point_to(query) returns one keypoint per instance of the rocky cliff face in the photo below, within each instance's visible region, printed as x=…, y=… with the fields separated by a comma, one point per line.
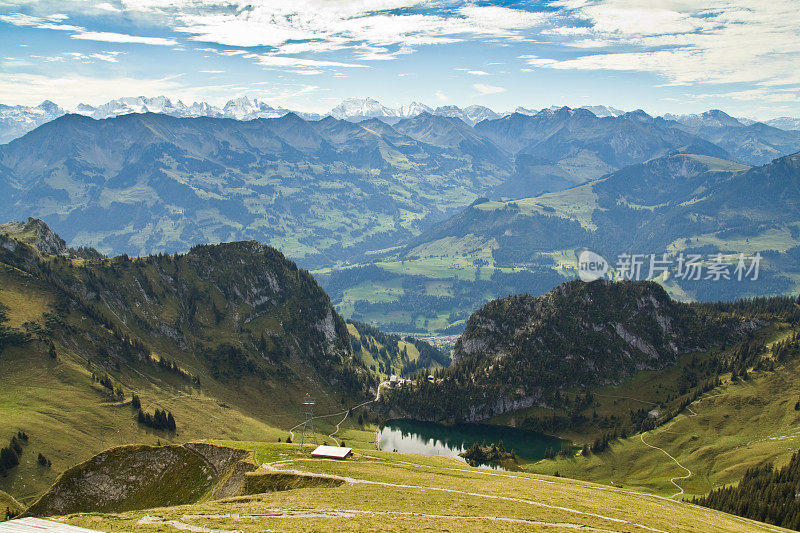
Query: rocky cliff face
x=523, y=351
x=587, y=334
x=37, y=234
x=239, y=310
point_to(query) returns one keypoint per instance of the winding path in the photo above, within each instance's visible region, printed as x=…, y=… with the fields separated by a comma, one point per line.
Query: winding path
x=346, y=413
x=681, y=491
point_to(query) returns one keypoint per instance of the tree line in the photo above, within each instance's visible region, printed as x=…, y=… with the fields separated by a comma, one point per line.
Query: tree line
x=160, y=420
x=9, y=455
x=765, y=493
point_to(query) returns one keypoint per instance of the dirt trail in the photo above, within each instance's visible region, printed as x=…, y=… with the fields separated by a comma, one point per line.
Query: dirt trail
x=346, y=413
x=482, y=495
x=353, y=513
x=673, y=480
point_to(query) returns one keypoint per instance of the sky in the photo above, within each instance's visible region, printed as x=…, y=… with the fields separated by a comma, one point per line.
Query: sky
x=663, y=56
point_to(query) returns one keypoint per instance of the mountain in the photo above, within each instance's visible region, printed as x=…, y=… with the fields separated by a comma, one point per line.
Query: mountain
x=597, y=110
x=784, y=123
x=15, y=121
x=143, y=183
x=681, y=203
x=713, y=118
x=524, y=351
x=386, y=354
x=556, y=149
x=451, y=133
x=358, y=109
x=362, y=108
x=228, y=338
x=753, y=144
x=471, y=114
x=604, y=110
x=242, y=108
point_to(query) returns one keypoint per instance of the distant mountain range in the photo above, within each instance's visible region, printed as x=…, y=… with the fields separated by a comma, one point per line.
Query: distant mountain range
x=15, y=121
x=143, y=182
x=407, y=201
x=680, y=203
x=326, y=189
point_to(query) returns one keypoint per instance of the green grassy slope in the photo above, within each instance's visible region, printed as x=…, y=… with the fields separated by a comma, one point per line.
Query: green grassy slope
x=736, y=426
x=391, y=491
x=139, y=477
x=388, y=355
x=9, y=505
x=249, y=333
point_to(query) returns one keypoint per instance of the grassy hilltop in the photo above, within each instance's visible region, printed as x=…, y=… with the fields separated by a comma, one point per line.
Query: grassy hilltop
x=391, y=491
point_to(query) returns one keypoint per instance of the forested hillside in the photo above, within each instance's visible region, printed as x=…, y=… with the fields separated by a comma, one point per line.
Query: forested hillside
x=765, y=493
x=223, y=340
x=526, y=352
x=387, y=354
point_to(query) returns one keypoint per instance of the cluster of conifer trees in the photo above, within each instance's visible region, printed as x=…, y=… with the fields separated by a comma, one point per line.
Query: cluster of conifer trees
x=9, y=456
x=106, y=381
x=765, y=493
x=9, y=336
x=161, y=420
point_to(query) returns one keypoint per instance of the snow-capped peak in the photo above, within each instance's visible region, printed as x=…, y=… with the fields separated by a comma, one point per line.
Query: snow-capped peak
x=359, y=108
x=414, y=109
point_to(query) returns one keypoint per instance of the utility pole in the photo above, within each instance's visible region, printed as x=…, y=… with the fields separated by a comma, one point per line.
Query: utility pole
x=308, y=426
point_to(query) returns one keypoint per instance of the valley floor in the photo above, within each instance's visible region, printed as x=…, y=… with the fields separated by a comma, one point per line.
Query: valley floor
x=396, y=492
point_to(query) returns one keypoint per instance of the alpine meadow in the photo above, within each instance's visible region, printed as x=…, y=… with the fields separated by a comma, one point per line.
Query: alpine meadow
x=398, y=265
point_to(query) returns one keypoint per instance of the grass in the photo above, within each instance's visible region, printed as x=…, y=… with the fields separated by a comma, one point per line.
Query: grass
x=69, y=418
x=25, y=300
x=8, y=503
x=372, y=358
x=261, y=482
x=731, y=428
x=391, y=491
x=135, y=477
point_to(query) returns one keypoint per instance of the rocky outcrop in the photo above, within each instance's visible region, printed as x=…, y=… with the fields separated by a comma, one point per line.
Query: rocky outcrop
x=524, y=351
x=37, y=234
x=141, y=477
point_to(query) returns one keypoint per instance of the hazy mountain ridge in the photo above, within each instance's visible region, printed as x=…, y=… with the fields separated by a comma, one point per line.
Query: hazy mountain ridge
x=139, y=183
x=185, y=181
x=17, y=120
x=672, y=204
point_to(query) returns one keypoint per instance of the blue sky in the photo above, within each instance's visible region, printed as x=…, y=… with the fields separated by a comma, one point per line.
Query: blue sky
x=659, y=55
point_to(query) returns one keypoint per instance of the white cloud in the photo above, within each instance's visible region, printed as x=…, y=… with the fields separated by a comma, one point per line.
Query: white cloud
x=31, y=89
x=380, y=53
x=110, y=57
x=105, y=6
x=758, y=95
x=484, y=89
x=686, y=42
x=51, y=22
x=325, y=25
x=268, y=60
x=501, y=20
x=69, y=91
x=111, y=37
